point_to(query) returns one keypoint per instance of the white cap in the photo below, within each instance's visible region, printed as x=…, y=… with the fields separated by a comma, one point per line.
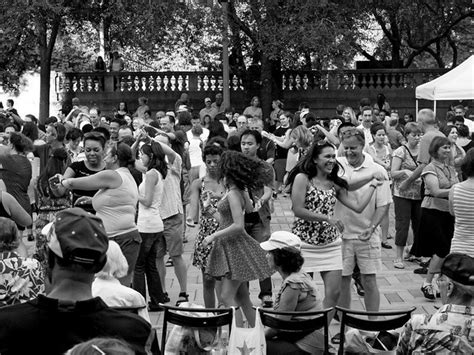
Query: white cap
x=280, y=240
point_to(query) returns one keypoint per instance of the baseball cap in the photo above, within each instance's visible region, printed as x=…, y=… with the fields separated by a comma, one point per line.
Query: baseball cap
x=170, y=113
x=207, y=99
x=78, y=237
x=459, y=267
x=182, y=108
x=280, y=240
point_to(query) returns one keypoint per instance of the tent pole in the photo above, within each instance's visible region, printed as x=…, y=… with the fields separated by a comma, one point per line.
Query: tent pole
x=434, y=108
x=416, y=111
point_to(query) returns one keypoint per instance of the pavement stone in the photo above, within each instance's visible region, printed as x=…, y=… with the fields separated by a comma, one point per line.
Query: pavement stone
x=399, y=288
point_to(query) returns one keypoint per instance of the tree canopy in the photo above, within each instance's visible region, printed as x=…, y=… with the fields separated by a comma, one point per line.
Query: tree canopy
x=68, y=35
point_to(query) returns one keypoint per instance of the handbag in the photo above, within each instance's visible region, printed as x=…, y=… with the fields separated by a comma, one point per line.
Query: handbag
x=247, y=340
x=364, y=342
x=194, y=341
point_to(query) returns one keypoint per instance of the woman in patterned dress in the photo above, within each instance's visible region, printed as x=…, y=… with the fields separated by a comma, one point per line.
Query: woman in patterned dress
x=315, y=188
x=49, y=200
x=209, y=184
x=236, y=257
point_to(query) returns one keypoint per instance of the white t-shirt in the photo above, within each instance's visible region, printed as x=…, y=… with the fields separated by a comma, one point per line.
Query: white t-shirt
x=203, y=136
x=195, y=151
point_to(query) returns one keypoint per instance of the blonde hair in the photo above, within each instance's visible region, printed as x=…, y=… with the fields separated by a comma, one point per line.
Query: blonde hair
x=116, y=265
x=302, y=136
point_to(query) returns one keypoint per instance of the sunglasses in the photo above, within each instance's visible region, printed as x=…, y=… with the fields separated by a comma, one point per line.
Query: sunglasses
x=353, y=132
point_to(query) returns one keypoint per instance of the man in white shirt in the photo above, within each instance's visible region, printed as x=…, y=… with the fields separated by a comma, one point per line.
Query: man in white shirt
x=367, y=120
x=208, y=110
x=361, y=238
x=195, y=121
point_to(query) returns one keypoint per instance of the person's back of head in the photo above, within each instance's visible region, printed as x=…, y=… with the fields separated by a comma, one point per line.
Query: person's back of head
x=30, y=130
x=463, y=131
x=116, y=265
x=426, y=117
x=459, y=269
x=365, y=101
x=97, y=346
x=77, y=245
x=340, y=109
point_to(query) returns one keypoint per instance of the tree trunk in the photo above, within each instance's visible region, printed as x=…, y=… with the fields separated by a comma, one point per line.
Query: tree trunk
x=46, y=51
x=266, y=89
x=45, y=83
x=271, y=83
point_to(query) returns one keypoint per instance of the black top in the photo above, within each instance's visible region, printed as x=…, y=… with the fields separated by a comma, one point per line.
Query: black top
x=80, y=170
x=280, y=152
x=47, y=326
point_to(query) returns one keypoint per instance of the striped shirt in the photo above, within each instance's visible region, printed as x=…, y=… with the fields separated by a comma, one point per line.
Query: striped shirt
x=463, y=206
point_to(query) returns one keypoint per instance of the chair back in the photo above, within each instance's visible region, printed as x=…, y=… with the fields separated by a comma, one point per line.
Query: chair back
x=351, y=318
x=221, y=317
x=133, y=310
x=318, y=320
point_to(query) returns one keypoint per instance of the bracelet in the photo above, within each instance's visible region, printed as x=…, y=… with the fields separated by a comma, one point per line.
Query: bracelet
x=374, y=186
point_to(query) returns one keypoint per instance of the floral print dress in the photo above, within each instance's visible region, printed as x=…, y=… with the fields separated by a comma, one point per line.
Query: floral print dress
x=207, y=226
x=21, y=279
x=319, y=201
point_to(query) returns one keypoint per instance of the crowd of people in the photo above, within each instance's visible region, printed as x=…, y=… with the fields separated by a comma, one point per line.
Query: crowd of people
x=106, y=198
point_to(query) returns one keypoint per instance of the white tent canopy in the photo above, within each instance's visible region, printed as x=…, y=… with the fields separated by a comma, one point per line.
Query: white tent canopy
x=457, y=84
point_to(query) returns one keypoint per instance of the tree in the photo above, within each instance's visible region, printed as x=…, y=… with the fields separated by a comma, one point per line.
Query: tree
x=412, y=29
x=31, y=27
x=285, y=32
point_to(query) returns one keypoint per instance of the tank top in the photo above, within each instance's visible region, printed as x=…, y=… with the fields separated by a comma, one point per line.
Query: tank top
x=117, y=207
x=149, y=220
x=463, y=205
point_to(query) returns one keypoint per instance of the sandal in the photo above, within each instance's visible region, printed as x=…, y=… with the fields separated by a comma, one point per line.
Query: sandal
x=385, y=245
x=183, y=297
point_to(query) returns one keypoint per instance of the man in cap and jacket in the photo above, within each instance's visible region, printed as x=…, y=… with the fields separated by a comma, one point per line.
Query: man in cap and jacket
x=69, y=314
x=448, y=330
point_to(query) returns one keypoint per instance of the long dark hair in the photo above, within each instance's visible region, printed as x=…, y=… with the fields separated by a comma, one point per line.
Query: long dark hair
x=56, y=164
x=308, y=166
x=157, y=157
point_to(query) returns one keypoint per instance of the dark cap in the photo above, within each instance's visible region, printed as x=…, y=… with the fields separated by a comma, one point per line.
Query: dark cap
x=78, y=237
x=459, y=267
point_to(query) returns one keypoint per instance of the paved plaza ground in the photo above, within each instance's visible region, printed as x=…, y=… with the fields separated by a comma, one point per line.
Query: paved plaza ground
x=399, y=289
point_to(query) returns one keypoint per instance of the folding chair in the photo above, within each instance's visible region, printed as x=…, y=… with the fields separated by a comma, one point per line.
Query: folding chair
x=319, y=321
x=397, y=320
x=154, y=346
x=222, y=317
x=133, y=310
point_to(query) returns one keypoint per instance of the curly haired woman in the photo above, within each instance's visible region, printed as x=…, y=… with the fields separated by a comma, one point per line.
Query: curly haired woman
x=236, y=257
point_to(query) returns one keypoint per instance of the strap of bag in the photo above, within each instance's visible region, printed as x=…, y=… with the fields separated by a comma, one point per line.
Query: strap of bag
x=210, y=347
x=411, y=155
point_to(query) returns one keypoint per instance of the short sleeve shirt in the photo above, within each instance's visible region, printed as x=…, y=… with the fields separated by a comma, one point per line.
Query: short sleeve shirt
x=448, y=331
x=413, y=192
x=425, y=141
x=447, y=177
x=21, y=279
x=355, y=223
